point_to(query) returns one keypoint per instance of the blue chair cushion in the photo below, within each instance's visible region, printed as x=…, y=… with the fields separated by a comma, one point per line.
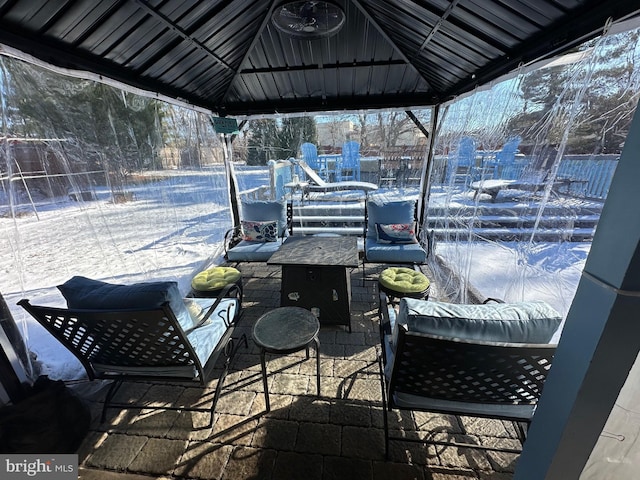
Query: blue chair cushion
x=205, y=339
x=253, y=251
x=402, y=211
x=85, y=293
x=261, y=211
x=521, y=322
x=394, y=252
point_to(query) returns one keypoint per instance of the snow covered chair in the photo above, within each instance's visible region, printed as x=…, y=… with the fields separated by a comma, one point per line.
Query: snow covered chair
x=487, y=361
x=349, y=164
x=501, y=166
x=507, y=155
x=144, y=332
x=310, y=155
x=461, y=161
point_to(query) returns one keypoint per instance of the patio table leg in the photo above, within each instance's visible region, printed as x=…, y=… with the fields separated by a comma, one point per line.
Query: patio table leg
x=317, y=363
x=264, y=379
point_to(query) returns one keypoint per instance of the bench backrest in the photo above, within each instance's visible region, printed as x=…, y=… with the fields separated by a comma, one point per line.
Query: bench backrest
x=142, y=340
x=469, y=371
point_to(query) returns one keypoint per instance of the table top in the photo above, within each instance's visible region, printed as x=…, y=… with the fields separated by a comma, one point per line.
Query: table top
x=317, y=251
x=286, y=329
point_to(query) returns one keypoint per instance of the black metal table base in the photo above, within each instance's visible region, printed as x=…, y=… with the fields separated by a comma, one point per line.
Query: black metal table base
x=264, y=351
x=286, y=330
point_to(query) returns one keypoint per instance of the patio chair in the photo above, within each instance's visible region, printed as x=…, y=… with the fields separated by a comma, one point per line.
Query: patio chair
x=462, y=161
x=349, y=165
x=310, y=155
x=263, y=228
x=508, y=153
x=487, y=361
x=505, y=158
x=144, y=332
x=391, y=234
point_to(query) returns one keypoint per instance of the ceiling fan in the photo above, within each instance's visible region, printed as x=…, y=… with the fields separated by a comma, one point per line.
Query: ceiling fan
x=308, y=20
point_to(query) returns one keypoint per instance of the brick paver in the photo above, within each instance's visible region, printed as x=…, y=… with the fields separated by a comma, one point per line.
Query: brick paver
x=338, y=435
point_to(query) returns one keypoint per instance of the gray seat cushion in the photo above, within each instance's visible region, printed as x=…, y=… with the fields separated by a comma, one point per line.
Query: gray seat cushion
x=395, y=252
x=520, y=322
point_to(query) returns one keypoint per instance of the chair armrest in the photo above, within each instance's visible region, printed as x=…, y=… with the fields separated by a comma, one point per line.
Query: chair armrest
x=231, y=238
x=385, y=321
x=229, y=291
x=491, y=299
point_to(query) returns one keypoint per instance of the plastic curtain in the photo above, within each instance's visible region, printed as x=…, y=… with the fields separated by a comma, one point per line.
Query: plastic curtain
x=101, y=183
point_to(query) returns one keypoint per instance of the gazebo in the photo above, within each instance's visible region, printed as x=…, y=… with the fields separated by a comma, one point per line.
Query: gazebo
x=242, y=59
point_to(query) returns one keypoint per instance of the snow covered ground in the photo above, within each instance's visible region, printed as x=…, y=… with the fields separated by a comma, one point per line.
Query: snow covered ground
x=172, y=229
x=175, y=227
x=498, y=270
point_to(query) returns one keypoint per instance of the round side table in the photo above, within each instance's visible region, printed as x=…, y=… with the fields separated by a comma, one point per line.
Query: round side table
x=286, y=330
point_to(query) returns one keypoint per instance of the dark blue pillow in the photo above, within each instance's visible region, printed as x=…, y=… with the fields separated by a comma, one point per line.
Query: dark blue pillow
x=86, y=293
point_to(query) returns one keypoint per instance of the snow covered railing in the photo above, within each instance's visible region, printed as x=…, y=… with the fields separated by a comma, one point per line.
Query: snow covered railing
x=262, y=192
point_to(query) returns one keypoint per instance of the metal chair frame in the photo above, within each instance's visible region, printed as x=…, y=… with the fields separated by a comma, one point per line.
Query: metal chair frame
x=461, y=377
x=145, y=339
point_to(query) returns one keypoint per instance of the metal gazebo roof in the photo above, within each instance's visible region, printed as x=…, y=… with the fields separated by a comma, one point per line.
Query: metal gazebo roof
x=228, y=57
